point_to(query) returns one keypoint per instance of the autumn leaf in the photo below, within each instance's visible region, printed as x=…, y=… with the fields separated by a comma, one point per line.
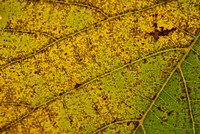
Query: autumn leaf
x=99, y=67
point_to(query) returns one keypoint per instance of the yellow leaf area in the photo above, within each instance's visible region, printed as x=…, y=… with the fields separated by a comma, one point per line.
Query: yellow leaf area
x=99, y=66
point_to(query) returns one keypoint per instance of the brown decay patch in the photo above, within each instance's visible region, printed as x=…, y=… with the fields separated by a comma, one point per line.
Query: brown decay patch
x=156, y=33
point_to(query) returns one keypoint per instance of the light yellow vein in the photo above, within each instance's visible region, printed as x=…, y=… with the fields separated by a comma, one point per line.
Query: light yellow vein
x=188, y=98
x=143, y=129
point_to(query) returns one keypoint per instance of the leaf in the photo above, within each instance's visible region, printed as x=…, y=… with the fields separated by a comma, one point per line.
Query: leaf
x=96, y=67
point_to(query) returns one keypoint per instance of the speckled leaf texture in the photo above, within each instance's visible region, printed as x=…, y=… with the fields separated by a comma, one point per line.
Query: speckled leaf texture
x=99, y=67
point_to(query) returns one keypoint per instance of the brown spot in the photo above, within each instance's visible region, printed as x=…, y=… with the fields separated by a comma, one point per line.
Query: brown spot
x=77, y=85
x=155, y=34
x=170, y=112
x=163, y=32
x=155, y=25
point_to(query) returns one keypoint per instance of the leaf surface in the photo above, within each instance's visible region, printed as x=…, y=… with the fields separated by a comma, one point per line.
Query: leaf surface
x=99, y=67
